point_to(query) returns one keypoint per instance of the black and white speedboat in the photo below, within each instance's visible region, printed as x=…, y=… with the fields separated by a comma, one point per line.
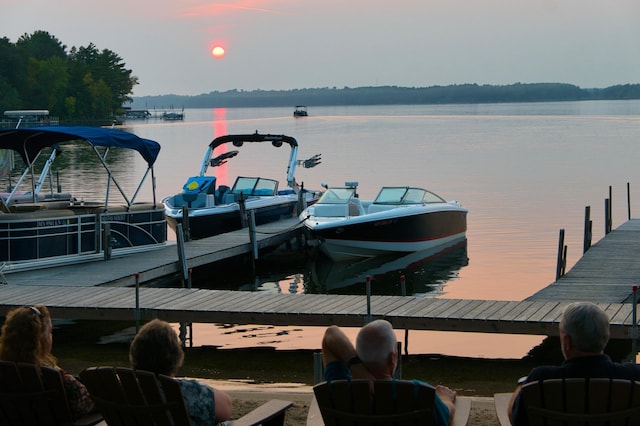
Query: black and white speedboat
x=216, y=209
x=400, y=219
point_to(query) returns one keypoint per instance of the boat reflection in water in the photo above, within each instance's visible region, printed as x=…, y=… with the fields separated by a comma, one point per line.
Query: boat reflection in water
x=425, y=272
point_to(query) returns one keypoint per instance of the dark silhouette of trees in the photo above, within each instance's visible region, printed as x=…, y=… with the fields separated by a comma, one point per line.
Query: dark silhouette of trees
x=86, y=83
x=392, y=95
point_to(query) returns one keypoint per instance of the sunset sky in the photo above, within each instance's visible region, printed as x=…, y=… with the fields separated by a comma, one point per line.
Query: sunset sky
x=290, y=44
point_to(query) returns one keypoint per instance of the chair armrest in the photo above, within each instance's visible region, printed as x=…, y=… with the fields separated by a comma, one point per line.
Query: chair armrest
x=461, y=414
x=314, y=416
x=501, y=401
x=90, y=420
x=271, y=412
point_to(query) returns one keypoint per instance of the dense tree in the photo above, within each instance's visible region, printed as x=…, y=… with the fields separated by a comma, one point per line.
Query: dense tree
x=37, y=73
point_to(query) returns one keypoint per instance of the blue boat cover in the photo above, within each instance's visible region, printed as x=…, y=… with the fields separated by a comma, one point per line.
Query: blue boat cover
x=29, y=141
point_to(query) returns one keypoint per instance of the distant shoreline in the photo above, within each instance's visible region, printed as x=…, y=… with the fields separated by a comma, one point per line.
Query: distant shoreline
x=390, y=95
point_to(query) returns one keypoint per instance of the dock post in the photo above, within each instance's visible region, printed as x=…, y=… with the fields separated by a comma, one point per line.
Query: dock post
x=403, y=288
x=610, y=208
x=137, y=302
x=243, y=211
x=607, y=216
x=182, y=257
x=562, y=256
x=628, y=201
x=588, y=225
x=368, y=284
x=302, y=201
x=106, y=241
x=318, y=369
x=634, y=328
x=252, y=233
x=186, y=227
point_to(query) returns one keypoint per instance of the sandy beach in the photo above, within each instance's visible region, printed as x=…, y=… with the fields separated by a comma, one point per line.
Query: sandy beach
x=247, y=396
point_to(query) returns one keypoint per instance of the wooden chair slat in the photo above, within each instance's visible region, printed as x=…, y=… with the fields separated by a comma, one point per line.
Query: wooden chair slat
x=173, y=392
x=378, y=402
x=156, y=400
x=52, y=380
x=582, y=402
x=31, y=395
x=106, y=387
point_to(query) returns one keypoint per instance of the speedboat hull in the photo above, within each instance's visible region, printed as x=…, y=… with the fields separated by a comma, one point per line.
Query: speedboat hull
x=401, y=219
x=406, y=229
x=209, y=221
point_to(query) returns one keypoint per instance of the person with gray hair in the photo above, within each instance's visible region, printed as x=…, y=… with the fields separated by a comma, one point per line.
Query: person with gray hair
x=584, y=334
x=375, y=356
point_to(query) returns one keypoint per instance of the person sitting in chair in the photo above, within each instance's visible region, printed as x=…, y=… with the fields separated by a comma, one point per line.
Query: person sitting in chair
x=157, y=348
x=375, y=356
x=27, y=336
x=584, y=333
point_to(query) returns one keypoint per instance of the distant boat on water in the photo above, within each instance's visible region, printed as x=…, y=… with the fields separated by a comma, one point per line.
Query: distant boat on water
x=300, y=111
x=173, y=115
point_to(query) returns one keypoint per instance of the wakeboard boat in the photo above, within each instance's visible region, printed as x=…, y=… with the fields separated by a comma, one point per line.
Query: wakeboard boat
x=215, y=209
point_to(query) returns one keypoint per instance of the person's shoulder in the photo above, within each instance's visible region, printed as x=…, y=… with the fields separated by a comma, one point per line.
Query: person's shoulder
x=545, y=372
x=628, y=370
x=193, y=386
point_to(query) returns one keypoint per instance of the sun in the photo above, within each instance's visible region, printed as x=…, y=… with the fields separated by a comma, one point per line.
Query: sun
x=217, y=52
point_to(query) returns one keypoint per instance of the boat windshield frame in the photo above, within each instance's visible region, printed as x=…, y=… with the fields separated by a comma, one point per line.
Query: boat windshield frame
x=255, y=186
x=337, y=196
x=406, y=195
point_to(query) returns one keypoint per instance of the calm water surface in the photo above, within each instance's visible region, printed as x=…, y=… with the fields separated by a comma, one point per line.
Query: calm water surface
x=524, y=171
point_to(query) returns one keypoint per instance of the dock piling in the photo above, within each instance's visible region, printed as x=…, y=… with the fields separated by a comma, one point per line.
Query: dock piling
x=588, y=228
x=368, y=284
x=562, y=256
x=634, y=326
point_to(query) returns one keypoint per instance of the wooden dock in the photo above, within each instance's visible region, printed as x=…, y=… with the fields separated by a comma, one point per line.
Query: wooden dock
x=236, y=307
x=159, y=263
x=604, y=275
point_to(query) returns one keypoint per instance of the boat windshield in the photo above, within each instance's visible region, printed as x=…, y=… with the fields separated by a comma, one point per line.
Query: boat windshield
x=255, y=186
x=337, y=196
x=406, y=195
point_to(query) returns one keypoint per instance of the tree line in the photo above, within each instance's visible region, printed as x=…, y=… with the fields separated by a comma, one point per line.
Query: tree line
x=392, y=95
x=85, y=83
x=82, y=83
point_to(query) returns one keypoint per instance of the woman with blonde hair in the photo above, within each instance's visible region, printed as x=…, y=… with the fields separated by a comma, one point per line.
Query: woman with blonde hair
x=27, y=336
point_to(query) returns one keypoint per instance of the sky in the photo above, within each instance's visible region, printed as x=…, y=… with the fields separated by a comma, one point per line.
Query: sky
x=295, y=44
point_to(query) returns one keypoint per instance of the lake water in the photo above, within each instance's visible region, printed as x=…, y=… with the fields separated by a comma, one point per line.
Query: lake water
x=524, y=171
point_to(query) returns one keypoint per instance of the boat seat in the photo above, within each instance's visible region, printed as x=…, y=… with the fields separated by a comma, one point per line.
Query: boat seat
x=222, y=190
x=199, y=201
x=354, y=209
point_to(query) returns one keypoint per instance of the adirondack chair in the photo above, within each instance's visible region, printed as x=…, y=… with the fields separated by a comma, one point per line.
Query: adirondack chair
x=35, y=396
x=128, y=397
x=378, y=402
x=578, y=402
